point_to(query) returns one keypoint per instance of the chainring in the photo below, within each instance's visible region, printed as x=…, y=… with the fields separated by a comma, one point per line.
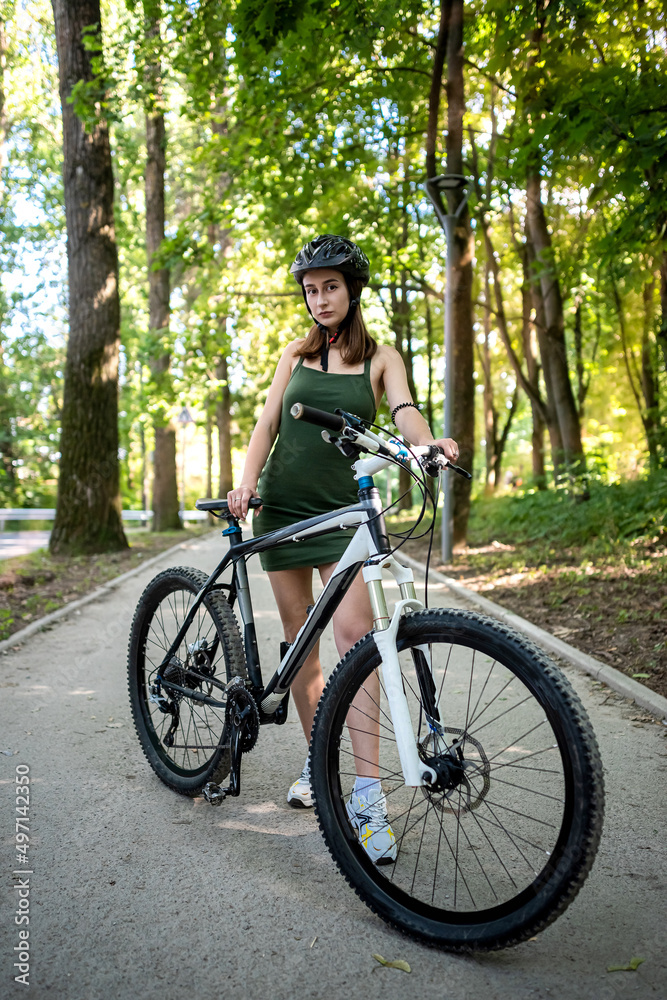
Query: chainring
x=242, y=706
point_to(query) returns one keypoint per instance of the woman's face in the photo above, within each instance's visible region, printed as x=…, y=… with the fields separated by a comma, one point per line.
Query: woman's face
x=327, y=296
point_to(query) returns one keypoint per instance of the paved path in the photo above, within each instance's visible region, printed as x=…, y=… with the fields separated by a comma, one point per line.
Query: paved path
x=139, y=893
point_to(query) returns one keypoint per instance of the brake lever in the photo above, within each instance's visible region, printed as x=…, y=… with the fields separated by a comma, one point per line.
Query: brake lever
x=344, y=444
x=434, y=469
x=459, y=470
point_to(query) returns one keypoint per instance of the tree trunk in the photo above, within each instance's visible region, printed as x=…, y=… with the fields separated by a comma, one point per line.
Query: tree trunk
x=649, y=383
x=555, y=358
x=550, y=414
x=463, y=416
x=562, y=417
x=224, y=429
x=449, y=43
x=88, y=514
x=165, y=489
x=582, y=383
x=209, y=450
x=490, y=415
x=142, y=447
x=495, y=443
x=429, y=363
x=532, y=365
x=400, y=322
x=662, y=332
x=6, y=433
x=529, y=382
x=640, y=377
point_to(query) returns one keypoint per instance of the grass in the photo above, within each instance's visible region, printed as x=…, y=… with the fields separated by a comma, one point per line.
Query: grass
x=592, y=571
x=33, y=585
x=610, y=515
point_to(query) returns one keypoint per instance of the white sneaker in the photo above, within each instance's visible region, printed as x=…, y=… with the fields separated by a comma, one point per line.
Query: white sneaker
x=300, y=795
x=368, y=813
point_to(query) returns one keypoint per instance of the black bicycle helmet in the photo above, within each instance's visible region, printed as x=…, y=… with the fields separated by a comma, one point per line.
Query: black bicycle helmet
x=332, y=251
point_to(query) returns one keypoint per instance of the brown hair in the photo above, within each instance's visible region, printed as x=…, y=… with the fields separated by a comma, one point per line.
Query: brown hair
x=356, y=343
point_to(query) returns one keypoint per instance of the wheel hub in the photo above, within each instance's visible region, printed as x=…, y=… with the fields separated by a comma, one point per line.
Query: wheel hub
x=463, y=765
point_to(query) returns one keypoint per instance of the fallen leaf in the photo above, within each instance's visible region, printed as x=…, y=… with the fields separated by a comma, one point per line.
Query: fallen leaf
x=397, y=964
x=632, y=966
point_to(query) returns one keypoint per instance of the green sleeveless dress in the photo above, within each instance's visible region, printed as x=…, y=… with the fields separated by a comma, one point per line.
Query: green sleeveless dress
x=304, y=475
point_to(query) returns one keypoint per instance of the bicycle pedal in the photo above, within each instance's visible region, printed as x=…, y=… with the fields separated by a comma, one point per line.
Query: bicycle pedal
x=214, y=794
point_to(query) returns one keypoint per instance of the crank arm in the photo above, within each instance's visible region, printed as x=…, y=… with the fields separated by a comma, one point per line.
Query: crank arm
x=214, y=794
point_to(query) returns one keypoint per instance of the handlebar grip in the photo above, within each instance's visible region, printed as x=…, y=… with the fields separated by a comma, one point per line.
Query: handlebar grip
x=321, y=418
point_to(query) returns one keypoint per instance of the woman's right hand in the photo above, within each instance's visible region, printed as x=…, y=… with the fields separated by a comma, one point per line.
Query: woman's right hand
x=238, y=500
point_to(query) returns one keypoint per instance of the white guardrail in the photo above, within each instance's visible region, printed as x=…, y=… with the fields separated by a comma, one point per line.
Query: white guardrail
x=48, y=514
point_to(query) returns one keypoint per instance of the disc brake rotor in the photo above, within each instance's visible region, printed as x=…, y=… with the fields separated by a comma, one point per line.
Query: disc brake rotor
x=475, y=782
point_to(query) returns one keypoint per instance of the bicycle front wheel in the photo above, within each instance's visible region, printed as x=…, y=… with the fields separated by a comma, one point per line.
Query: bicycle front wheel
x=503, y=842
x=183, y=739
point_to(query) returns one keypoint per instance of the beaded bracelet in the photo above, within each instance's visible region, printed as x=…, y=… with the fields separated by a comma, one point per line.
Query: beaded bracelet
x=401, y=406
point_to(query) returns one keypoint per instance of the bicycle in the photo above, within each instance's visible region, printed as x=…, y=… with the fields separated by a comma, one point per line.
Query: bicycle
x=489, y=765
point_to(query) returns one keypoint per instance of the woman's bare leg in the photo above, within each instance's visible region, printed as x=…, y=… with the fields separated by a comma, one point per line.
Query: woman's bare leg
x=293, y=591
x=352, y=620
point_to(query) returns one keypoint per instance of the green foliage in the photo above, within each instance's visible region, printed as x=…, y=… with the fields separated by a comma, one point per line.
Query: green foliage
x=6, y=622
x=613, y=513
x=30, y=399
x=299, y=116
x=89, y=97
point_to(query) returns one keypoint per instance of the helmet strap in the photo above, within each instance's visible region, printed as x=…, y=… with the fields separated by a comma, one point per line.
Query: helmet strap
x=331, y=339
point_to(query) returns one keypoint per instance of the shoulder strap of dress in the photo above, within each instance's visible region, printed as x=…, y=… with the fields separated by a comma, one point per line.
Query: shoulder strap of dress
x=367, y=368
x=296, y=368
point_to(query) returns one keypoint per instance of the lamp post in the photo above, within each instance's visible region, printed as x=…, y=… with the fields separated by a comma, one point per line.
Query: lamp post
x=184, y=419
x=457, y=184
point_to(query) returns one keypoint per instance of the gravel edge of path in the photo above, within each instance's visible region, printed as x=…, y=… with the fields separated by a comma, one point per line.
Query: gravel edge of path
x=619, y=682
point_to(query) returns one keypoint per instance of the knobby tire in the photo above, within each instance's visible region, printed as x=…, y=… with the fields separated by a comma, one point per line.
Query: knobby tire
x=212, y=647
x=495, y=859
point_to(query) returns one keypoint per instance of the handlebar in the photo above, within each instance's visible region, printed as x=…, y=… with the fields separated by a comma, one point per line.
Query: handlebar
x=431, y=457
x=321, y=418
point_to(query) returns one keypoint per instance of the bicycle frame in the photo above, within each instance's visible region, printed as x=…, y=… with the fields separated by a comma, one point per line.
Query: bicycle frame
x=368, y=548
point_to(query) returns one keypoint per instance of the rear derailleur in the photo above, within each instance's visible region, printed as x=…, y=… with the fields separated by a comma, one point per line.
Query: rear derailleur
x=242, y=728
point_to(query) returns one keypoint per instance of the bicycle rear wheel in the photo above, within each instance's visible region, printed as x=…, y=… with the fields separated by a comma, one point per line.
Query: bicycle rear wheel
x=502, y=846
x=183, y=739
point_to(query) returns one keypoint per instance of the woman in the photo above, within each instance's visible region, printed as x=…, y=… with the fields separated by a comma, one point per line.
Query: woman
x=337, y=365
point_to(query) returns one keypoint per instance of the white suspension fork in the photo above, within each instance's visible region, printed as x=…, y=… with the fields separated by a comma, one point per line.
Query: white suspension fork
x=415, y=772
